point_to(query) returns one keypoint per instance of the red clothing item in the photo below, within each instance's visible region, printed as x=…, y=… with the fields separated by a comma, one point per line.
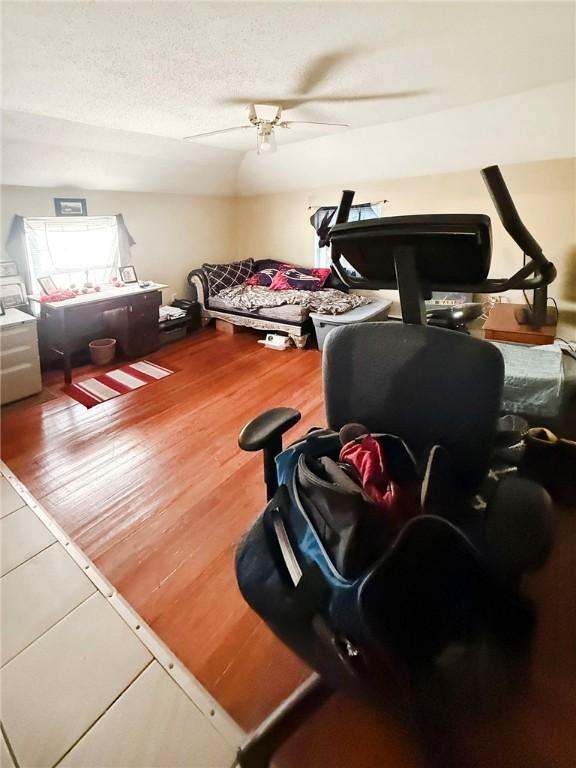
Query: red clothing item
x=366, y=455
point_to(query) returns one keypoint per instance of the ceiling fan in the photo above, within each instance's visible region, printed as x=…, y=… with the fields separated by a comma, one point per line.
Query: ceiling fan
x=265, y=128
x=320, y=69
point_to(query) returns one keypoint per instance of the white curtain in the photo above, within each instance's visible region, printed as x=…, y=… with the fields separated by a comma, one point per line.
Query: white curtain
x=72, y=251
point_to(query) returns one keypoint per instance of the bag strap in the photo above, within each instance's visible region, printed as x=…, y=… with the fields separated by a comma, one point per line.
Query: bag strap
x=311, y=588
x=288, y=554
x=311, y=591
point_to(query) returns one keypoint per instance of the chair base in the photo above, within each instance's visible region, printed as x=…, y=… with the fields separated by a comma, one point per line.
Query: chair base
x=261, y=745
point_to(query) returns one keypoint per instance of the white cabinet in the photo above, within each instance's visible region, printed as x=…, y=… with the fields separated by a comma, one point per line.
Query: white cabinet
x=19, y=358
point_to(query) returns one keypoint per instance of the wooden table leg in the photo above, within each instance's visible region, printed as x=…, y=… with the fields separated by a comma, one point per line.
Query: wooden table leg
x=66, y=356
x=67, y=368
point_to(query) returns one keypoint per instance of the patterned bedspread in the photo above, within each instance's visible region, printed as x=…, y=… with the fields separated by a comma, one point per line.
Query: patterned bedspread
x=328, y=301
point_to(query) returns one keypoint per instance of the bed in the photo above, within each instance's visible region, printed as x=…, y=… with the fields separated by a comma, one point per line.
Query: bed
x=258, y=307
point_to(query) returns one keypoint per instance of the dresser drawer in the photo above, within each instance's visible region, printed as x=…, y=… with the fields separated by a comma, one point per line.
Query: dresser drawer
x=152, y=299
x=21, y=355
x=19, y=362
x=19, y=381
x=20, y=336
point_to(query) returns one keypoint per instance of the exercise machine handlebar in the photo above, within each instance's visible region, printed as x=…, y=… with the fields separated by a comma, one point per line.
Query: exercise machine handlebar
x=511, y=220
x=343, y=212
x=543, y=270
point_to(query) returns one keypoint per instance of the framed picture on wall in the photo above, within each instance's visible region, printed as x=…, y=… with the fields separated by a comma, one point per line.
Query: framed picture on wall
x=48, y=285
x=8, y=269
x=70, y=206
x=128, y=275
x=12, y=295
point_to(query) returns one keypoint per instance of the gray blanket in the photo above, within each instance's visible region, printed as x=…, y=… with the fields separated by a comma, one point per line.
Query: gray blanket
x=328, y=301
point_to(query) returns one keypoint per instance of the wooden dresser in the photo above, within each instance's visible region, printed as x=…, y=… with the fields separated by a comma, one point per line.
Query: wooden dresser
x=19, y=358
x=128, y=314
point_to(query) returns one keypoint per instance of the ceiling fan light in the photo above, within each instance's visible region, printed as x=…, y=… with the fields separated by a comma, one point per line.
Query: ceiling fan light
x=266, y=142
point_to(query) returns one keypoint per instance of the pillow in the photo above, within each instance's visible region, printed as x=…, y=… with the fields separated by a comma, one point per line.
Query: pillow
x=265, y=277
x=222, y=276
x=322, y=274
x=297, y=278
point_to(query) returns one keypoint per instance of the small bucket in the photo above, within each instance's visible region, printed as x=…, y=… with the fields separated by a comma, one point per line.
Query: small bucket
x=102, y=351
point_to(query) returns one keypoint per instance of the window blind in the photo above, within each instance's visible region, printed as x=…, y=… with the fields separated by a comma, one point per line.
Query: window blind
x=72, y=251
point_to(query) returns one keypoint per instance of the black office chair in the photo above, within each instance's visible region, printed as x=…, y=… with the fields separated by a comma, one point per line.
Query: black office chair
x=446, y=578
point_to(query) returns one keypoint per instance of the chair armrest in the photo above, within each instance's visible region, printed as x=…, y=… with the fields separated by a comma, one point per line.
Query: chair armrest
x=267, y=428
x=264, y=433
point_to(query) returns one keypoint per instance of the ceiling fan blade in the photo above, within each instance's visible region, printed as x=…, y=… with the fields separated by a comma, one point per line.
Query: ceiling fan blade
x=287, y=123
x=283, y=103
x=215, y=133
x=298, y=101
x=367, y=97
x=321, y=68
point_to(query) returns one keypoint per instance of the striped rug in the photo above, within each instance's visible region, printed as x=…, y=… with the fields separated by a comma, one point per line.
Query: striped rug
x=90, y=392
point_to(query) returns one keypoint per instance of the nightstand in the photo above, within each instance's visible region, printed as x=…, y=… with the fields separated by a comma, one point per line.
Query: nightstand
x=502, y=325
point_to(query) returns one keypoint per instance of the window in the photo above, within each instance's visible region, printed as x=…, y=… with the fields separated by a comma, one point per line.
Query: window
x=72, y=252
x=357, y=213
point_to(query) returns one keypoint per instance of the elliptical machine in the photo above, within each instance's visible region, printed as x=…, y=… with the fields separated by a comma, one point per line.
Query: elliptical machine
x=417, y=255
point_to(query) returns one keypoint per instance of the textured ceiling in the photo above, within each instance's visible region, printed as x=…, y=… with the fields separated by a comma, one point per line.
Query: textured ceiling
x=167, y=69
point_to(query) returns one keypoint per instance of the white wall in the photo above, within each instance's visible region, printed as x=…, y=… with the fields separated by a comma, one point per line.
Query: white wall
x=277, y=225
x=173, y=233
x=176, y=233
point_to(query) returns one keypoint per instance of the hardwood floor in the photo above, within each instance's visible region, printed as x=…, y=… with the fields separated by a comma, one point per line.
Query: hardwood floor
x=154, y=489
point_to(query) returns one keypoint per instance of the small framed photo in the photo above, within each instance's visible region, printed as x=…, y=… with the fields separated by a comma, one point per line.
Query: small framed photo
x=12, y=295
x=8, y=269
x=70, y=206
x=128, y=275
x=2, y=310
x=48, y=285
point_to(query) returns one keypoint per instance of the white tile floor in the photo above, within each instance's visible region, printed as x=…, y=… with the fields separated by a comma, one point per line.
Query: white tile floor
x=23, y=536
x=9, y=499
x=5, y=756
x=123, y=737
x=37, y=595
x=84, y=682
